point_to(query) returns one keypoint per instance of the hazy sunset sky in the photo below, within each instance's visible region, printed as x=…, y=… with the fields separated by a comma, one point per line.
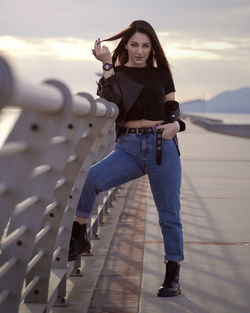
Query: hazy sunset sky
x=207, y=42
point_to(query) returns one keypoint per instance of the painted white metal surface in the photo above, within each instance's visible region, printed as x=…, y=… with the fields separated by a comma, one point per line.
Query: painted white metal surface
x=44, y=160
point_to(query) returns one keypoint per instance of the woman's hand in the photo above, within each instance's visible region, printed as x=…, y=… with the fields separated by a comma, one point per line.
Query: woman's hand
x=102, y=53
x=169, y=130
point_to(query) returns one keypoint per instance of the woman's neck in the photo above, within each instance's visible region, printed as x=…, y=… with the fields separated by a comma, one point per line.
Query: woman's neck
x=128, y=64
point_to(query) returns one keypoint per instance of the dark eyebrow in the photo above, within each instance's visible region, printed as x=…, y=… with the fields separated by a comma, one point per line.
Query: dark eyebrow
x=144, y=43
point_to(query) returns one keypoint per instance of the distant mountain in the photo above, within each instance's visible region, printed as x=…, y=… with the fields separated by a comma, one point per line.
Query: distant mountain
x=231, y=101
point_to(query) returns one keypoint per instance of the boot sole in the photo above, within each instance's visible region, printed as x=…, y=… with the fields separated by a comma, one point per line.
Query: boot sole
x=174, y=294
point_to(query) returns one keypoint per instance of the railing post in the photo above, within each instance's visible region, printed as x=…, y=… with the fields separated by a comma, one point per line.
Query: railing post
x=38, y=152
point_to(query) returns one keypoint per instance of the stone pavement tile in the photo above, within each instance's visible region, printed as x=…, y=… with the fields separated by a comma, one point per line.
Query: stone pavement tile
x=121, y=264
x=127, y=233
x=128, y=246
x=117, y=293
x=118, y=288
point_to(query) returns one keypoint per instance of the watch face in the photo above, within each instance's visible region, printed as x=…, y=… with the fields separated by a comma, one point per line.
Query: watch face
x=107, y=66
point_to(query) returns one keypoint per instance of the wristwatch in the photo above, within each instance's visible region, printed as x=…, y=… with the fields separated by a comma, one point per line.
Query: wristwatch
x=107, y=66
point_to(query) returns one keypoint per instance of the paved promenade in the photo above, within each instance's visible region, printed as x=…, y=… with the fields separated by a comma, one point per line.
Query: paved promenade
x=127, y=267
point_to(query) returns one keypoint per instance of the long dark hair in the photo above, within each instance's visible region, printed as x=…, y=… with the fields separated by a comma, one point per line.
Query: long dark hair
x=156, y=57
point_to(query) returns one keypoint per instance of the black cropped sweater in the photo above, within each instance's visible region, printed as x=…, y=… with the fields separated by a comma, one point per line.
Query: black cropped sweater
x=157, y=83
x=140, y=93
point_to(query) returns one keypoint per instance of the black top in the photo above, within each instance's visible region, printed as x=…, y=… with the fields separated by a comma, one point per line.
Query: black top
x=150, y=103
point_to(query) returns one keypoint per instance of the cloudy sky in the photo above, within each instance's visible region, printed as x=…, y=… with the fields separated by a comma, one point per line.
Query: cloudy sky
x=207, y=42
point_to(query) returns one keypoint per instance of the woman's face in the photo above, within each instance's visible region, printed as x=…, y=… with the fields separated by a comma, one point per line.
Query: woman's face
x=139, y=47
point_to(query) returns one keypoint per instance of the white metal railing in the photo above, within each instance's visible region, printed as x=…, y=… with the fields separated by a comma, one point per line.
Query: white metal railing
x=43, y=166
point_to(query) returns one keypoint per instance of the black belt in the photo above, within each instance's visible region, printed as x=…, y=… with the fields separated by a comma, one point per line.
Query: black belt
x=138, y=131
x=147, y=130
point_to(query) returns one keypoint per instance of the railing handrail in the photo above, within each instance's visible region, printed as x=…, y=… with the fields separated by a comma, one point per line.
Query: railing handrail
x=43, y=166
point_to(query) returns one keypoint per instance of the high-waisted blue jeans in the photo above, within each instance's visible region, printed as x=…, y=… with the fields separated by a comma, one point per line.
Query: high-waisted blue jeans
x=134, y=156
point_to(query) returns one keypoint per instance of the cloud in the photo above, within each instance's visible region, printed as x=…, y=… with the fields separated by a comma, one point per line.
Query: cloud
x=59, y=48
x=198, y=49
x=88, y=19
x=75, y=49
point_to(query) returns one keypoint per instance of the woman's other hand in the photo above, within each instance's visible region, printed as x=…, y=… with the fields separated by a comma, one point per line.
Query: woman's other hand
x=169, y=130
x=101, y=53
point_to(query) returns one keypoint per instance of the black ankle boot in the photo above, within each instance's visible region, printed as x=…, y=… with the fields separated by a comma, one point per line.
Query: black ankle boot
x=171, y=286
x=79, y=241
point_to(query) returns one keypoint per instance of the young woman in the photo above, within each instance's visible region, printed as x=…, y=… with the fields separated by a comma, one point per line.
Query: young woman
x=138, y=79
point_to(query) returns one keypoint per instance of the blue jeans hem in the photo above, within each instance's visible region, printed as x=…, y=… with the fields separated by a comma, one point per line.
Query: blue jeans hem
x=84, y=215
x=173, y=258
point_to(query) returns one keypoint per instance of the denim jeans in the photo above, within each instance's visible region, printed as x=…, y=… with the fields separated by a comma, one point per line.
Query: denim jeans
x=134, y=155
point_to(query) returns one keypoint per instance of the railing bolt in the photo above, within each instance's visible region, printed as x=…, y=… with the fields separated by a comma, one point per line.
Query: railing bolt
x=34, y=127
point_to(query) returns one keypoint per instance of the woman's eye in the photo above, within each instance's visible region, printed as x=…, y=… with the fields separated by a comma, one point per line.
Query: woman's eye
x=135, y=45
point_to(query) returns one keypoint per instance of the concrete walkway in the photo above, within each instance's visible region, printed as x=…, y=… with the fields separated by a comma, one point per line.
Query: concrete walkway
x=215, y=276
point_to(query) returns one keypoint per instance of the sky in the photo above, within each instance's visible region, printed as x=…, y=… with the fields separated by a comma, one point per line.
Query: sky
x=207, y=42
